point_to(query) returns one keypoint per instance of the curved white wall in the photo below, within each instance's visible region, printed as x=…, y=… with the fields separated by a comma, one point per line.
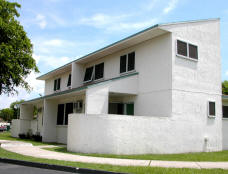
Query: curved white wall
x=120, y=134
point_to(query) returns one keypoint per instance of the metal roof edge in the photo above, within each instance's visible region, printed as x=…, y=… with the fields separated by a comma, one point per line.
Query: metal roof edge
x=80, y=88
x=94, y=52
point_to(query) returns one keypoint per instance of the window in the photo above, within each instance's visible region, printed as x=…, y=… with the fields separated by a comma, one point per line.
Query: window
x=123, y=63
x=225, y=111
x=187, y=50
x=131, y=61
x=211, y=109
x=69, y=80
x=193, y=52
x=62, y=114
x=182, y=48
x=68, y=110
x=88, y=74
x=121, y=108
x=57, y=84
x=127, y=62
x=99, y=71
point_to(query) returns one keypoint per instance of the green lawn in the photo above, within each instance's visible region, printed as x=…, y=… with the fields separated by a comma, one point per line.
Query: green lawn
x=7, y=136
x=124, y=169
x=202, y=156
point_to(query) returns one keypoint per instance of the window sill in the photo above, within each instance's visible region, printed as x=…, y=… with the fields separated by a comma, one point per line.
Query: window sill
x=212, y=117
x=128, y=72
x=187, y=58
x=62, y=126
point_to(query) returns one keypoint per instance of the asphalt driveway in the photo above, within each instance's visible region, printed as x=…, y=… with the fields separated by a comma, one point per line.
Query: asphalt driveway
x=6, y=168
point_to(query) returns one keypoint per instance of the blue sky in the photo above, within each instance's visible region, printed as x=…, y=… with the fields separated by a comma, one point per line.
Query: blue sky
x=63, y=30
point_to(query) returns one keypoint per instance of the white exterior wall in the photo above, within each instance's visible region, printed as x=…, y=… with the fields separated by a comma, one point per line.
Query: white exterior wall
x=61, y=134
x=194, y=83
x=154, y=79
x=15, y=127
x=49, y=84
x=121, y=134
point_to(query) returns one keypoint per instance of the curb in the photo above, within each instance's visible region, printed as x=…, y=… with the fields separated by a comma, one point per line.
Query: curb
x=55, y=167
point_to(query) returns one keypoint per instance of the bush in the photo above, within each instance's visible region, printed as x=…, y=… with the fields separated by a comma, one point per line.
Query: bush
x=22, y=136
x=37, y=138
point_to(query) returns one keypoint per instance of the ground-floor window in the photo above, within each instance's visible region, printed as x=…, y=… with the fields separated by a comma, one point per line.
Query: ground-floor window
x=225, y=111
x=62, y=113
x=121, y=108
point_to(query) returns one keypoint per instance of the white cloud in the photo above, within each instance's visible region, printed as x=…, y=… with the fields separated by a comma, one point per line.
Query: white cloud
x=37, y=88
x=116, y=23
x=36, y=57
x=55, y=62
x=101, y=20
x=150, y=5
x=41, y=21
x=53, y=42
x=171, y=5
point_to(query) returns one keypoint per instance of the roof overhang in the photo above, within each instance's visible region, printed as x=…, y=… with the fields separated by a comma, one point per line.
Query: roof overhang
x=127, y=42
x=123, y=44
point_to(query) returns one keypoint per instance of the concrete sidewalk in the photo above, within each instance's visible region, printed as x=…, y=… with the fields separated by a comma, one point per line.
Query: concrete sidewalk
x=37, y=151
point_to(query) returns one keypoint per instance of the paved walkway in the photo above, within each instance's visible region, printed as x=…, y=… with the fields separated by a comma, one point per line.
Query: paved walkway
x=37, y=151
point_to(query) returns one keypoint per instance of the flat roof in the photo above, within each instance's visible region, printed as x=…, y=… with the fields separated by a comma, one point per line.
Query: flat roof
x=124, y=43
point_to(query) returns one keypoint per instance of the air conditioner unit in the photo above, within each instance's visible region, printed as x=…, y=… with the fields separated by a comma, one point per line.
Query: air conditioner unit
x=78, y=105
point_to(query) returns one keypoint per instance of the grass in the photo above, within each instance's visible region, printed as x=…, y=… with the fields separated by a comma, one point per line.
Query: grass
x=202, y=156
x=124, y=169
x=7, y=136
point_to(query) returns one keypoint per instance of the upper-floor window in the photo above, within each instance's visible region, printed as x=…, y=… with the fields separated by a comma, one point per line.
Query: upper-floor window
x=94, y=72
x=211, y=109
x=57, y=84
x=187, y=50
x=69, y=80
x=225, y=111
x=127, y=62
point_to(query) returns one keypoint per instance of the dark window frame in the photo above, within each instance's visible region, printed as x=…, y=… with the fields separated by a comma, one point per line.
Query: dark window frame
x=69, y=80
x=91, y=77
x=223, y=111
x=57, y=84
x=211, y=113
x=188, y=50
x=95, y=66
x=126, y=68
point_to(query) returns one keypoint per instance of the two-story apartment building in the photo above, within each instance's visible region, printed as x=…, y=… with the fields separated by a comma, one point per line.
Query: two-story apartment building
x=157, y=91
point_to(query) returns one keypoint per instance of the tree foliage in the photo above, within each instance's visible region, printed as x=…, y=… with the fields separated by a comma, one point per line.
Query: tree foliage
x=6, y=114
x=225, y=87
x=16, y=109
x=16, y=61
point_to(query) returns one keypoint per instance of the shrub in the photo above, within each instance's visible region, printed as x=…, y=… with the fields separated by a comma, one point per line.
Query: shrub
x=22, y=136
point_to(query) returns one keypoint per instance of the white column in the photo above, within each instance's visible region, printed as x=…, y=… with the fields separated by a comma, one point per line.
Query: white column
x=49, y=121
x=77, y=75
x=26, y=115
x=97, y=100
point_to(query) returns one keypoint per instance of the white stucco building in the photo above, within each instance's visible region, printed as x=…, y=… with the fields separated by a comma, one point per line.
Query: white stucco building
x=157, y=91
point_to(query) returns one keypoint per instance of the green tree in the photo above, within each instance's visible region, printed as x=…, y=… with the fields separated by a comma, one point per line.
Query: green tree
x=6, y=114
x=16, y=109
x=16, y=61
x=225, y=87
